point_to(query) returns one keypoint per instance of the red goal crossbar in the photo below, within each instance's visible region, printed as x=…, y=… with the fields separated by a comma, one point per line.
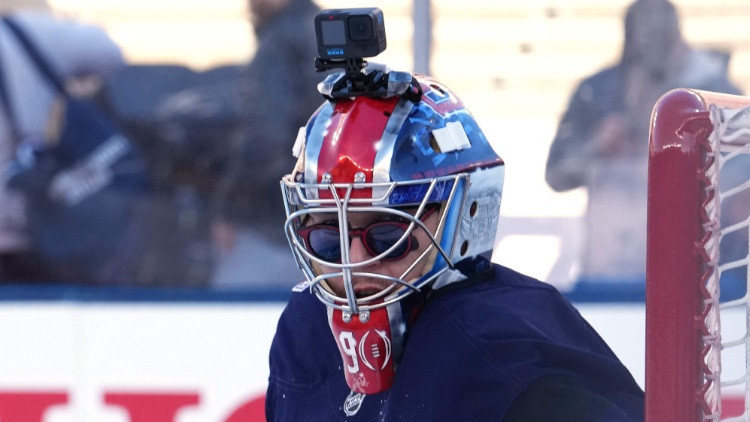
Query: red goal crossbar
x=679, y=336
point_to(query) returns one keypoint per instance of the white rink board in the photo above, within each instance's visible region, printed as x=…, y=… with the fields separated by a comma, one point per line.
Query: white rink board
x=623, y=327
x=215, y=351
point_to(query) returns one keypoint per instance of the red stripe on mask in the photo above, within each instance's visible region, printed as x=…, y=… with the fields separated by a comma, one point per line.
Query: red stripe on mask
x=350, y=145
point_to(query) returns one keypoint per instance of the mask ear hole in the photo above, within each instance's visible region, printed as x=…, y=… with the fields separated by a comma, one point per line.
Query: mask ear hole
x=473, y=209
x=464, y=247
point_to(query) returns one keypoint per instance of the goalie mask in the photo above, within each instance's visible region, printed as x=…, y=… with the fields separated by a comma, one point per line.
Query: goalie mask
x=406, y=181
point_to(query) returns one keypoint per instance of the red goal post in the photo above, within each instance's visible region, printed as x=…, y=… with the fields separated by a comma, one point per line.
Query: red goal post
x=683, y=323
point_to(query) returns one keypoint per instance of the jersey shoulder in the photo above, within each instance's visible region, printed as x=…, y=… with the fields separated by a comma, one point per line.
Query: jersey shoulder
x=511, y=314
x=299, y=352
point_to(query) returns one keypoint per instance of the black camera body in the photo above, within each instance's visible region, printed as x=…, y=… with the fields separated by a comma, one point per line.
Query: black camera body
x=350, y=33
x=345, y=37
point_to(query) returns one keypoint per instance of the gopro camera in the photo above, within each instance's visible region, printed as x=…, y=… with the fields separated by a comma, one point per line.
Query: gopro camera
x=350, y=33
x=345, y=37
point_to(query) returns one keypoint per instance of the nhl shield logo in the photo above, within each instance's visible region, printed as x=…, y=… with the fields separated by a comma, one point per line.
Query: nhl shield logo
x=353, y=403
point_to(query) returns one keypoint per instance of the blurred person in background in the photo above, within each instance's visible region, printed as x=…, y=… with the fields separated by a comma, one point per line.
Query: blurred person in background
x=79, y=53
x=278, y=95
x=601, y=141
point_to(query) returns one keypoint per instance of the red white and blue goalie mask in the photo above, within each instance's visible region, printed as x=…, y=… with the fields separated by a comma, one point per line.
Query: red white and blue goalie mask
x=423, y=152
x=366, y=154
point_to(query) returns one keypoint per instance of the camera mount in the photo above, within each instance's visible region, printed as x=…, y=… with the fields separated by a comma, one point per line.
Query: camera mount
x=353, y=66
x=356, y=81
x=372, y=80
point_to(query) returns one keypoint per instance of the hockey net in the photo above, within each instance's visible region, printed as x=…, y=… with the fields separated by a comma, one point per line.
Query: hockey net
x=697, y=342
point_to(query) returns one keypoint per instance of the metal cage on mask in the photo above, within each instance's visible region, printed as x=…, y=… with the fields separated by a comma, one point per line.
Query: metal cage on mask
x=342, y=201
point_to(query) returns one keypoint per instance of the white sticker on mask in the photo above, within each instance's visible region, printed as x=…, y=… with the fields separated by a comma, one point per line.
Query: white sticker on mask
x=299, y=143
x=452, y=137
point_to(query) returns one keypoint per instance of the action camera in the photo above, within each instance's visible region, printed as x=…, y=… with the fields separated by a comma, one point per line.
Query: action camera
x=345, y=38
x=350, y=33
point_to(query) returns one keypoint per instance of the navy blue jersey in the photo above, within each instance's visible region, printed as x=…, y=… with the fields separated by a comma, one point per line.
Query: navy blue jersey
x=497, y=348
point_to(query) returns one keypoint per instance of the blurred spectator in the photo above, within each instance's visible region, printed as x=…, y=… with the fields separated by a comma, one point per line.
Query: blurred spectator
x=183, y=122
x=78, y=52
x=601, y=142
x=278, y=94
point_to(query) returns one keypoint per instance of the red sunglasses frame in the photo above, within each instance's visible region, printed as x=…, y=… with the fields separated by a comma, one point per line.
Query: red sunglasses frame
x=411, y=241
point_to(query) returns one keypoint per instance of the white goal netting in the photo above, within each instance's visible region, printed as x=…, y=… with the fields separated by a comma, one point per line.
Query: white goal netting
x=726, y=247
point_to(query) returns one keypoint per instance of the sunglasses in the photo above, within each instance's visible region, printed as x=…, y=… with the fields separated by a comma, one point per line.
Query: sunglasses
x=323, y=240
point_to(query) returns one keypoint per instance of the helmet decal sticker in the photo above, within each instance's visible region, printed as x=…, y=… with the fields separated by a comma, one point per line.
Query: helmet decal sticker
x=452, y=137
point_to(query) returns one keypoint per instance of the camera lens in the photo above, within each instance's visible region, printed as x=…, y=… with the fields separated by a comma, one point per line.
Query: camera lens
x=360, y=28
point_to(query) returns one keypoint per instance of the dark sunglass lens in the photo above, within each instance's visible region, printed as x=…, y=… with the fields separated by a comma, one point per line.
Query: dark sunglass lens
x=381, y=237
x=325, y=243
